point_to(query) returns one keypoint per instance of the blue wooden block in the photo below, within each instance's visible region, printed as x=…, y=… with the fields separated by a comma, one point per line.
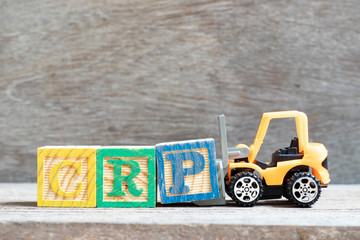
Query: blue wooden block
x=187, y=171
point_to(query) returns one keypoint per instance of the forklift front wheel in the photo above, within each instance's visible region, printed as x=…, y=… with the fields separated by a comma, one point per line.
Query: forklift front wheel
x=246, y=189
x=227, y=186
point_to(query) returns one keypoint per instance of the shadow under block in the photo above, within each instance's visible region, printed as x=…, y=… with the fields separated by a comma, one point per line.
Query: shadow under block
x=66, y=176
x=126, y=177
x=187, y=171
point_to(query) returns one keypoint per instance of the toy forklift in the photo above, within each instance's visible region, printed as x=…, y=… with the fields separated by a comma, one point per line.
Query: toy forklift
x=297, y=172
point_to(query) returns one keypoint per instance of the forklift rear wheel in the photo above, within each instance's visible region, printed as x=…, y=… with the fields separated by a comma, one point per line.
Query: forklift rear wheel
x=303, y=189
x=246, y=189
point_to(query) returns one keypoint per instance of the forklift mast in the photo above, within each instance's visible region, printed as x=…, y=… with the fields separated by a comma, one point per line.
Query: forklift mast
x=227, y=154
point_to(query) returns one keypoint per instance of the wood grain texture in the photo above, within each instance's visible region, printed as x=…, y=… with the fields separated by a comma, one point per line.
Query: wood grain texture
x=187, y=171
x=176, y=232
x=334, y=209
x=144, y=72
x=222, y=194
x=137, y=187
x=66, y=177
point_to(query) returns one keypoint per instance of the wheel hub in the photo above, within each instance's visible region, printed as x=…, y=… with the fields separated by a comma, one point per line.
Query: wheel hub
x=246, y=189
x=305, y=189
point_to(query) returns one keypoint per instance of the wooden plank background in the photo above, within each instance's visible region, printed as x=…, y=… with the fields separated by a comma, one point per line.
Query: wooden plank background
x=143, y=72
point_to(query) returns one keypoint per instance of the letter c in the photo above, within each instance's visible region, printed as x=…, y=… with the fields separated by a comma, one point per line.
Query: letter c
x=54, y=178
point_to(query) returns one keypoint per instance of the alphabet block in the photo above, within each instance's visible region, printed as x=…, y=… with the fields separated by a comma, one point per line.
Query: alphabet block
x=187, y=171
x=126, y=177
x=66, y=176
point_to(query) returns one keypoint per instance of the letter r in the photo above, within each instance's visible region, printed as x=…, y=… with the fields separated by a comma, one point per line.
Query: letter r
x=119, y=178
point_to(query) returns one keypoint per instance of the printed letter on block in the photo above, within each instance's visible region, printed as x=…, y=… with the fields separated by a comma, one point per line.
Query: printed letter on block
x=66, y=176
x=126, y=177
x=187, y=171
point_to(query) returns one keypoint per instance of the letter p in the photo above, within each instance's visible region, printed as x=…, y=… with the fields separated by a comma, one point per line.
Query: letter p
x=179, y=172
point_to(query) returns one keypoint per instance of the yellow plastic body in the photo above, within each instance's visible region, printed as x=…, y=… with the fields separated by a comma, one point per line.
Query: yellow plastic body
x=313, y=153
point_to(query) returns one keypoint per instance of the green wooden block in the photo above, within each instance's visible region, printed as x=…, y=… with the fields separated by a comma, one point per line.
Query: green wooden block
x=126, y=177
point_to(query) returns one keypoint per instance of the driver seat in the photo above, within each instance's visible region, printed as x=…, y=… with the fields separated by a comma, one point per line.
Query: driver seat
x=283, y=154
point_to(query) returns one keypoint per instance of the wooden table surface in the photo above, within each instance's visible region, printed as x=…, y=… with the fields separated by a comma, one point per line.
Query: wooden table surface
x=336, y=214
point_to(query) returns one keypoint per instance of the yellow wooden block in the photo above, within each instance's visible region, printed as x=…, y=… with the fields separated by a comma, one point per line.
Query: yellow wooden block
x=67, y=176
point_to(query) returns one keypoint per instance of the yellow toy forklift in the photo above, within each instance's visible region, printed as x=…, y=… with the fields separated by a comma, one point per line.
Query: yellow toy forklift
x=297, y=172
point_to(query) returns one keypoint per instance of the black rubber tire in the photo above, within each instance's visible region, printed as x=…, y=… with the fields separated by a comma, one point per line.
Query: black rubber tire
x=255, y=183
x=227, y=186
x=285, y=192
x=312, y=185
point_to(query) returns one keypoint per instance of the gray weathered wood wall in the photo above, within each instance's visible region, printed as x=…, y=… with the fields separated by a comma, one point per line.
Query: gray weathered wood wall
x=143, y=72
